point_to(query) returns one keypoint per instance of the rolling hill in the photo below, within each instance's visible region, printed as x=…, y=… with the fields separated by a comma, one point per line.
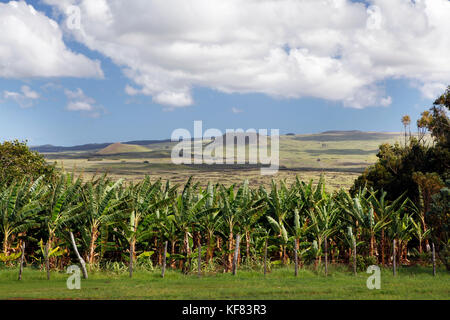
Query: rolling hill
x=119, y=148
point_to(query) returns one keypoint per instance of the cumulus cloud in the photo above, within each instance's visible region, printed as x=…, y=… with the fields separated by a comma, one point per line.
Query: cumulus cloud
x=24, y=98
x=333, y=49
x=31, y=45
x=78, y=101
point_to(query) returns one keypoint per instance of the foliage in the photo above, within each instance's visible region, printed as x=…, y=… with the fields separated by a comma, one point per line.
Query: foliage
x=438, y=219
x=18, y=161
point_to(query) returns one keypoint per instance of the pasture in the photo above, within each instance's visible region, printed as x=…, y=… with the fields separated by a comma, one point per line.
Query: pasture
x=340, y=156
x=410, y=283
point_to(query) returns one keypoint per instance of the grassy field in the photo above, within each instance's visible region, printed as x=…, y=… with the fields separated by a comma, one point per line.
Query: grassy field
x=410, y=283
x=340, y=156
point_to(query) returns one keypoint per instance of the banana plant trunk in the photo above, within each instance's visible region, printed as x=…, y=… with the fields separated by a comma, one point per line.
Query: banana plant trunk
x=210, y=249
x=172, y=253
x=372, y=242
x=5, y=244
x=230, y=250
x=94, y=235
x=247, y=245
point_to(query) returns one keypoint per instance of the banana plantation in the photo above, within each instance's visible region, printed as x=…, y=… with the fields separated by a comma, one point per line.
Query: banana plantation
x=107, y=224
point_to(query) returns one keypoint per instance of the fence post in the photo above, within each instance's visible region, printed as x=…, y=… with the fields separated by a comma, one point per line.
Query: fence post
x=21, y=261
x=265, y=258
x=164, y=260
x=393, y=258
x=326, y=256
x=434, y=260
x=199, y=259
x=354, y=257
x=236, y=251
x=47, y=262
x=296, y=257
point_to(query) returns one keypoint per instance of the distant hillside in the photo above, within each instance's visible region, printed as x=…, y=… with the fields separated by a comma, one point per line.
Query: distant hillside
x=146, y=142
x=327, y=136
x=48, y=148
x=118, y=148
x=347, y=136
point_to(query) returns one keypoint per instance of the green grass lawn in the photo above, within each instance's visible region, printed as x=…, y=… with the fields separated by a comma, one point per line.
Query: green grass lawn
x=410, y=283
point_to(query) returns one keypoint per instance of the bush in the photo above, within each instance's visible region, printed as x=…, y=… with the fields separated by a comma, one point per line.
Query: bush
x=18, y=161
x=362, y=263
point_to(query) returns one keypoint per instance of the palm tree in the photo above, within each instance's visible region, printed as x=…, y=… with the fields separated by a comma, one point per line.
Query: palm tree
x=406, y=120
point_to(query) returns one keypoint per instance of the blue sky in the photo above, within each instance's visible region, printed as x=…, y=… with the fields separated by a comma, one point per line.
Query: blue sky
x=120, y=116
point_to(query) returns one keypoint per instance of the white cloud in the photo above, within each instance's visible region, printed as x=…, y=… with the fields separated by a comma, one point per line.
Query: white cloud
x=24, y=98
x=236, y=110
x=332, y=49
x=386, y=101
x=432, y=90
x=78, y=101
x=79, y=106
x=31, y=45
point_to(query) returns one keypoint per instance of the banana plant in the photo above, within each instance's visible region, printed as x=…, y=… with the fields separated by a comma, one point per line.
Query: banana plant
x=401, y=230
x=362, y=210
x=18, y=210
x=188, y=209
x=102, y=207
x=419, y=233
x=324, y=217
x=211, y=221
x=301, y=227
x=143, y=199
x=61, y=205
x=238, y=207
x=280, y=202
x=384, y=210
